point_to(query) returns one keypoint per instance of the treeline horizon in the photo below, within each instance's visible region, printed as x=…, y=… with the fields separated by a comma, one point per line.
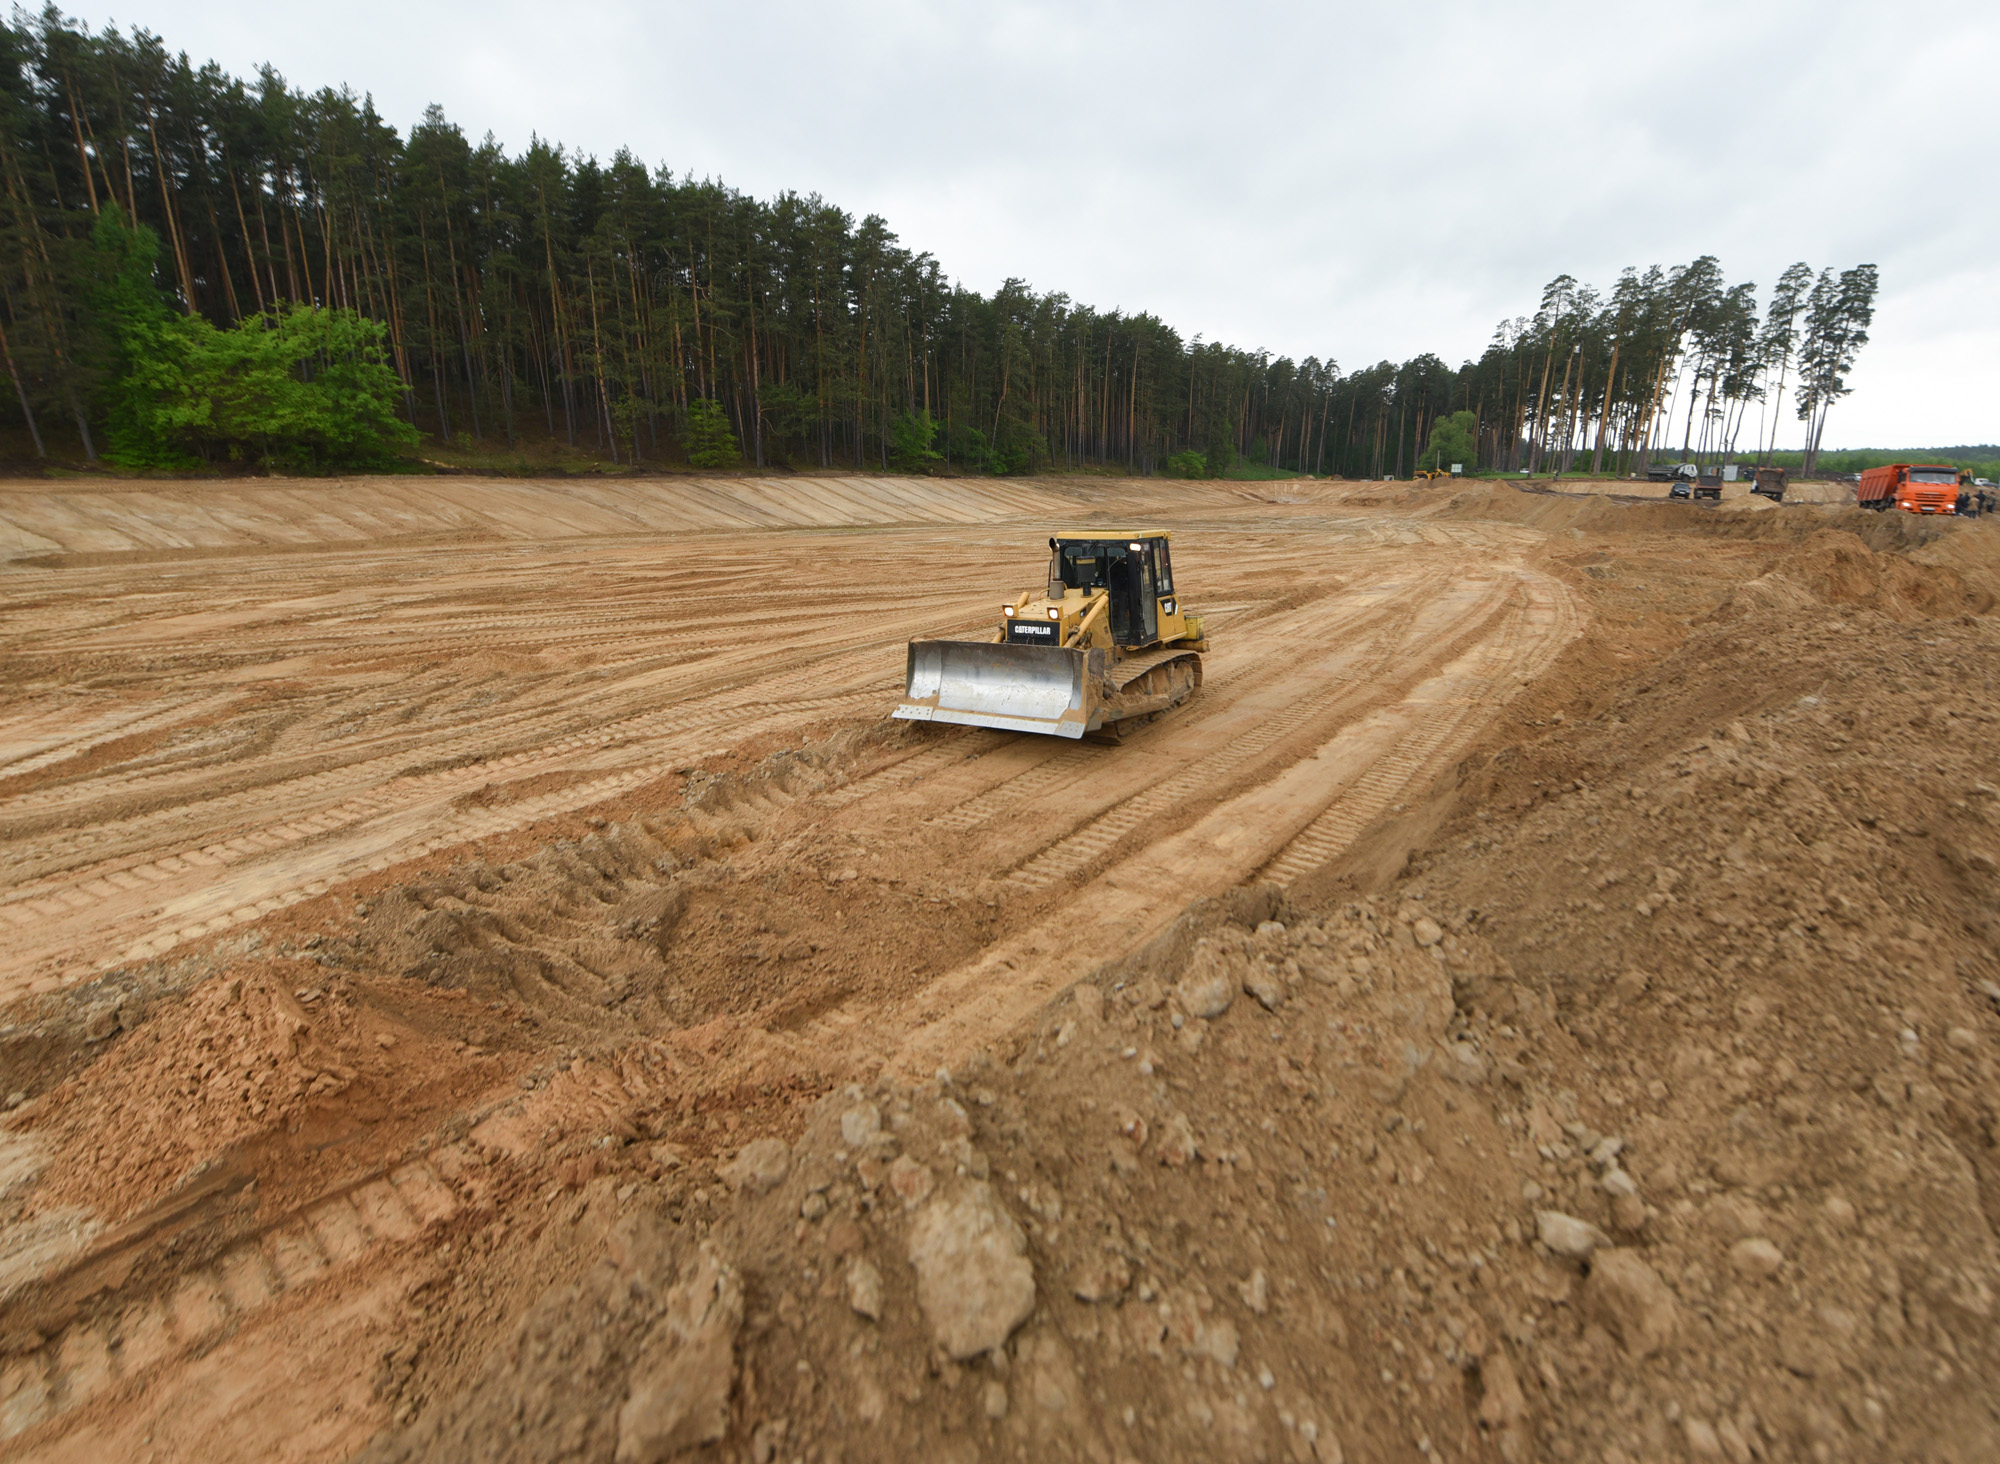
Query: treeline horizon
x=1983, y=459
x=548, y=296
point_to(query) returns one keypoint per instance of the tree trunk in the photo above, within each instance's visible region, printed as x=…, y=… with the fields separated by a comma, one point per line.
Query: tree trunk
x=1604, y=416
x=1777, y=406
x=22, y=392
x=1541, y=409
x=83, y=161
x=597, y=354
x=173, y=225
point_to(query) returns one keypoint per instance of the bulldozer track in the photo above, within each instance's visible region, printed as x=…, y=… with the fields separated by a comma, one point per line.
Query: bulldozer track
x=1044, y=775
x=1437, y=736
x=197, y=887
x=959, y=747
x=61, y=748
x=1095, y=840
x=394, y=766
x=1375, y=617
x=32, y=907
x=205, y=1305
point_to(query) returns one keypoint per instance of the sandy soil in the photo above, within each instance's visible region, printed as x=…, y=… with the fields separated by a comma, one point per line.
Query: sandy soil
x=514, y=995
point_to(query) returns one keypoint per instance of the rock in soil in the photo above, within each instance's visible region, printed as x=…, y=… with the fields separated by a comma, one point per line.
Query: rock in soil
x=1626, y=1295
x=974, y=1281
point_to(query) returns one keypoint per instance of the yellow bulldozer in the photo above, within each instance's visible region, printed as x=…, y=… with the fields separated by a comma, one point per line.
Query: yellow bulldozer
x=1106, y=647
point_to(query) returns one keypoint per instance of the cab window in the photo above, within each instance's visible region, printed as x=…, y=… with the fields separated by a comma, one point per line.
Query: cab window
x=1163, y=573
x=1086, y=566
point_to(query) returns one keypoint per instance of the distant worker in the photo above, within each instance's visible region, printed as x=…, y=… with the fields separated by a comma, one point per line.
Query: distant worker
x=1986, y=500
x=1964, y=502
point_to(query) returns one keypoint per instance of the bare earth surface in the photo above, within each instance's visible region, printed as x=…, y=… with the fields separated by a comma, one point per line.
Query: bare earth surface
x=480, y=977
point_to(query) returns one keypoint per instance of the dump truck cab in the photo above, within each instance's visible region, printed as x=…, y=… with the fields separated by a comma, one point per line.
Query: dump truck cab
x=1107, y=645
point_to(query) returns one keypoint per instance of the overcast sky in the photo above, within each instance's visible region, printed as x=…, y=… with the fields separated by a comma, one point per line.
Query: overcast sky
x=1354, y=181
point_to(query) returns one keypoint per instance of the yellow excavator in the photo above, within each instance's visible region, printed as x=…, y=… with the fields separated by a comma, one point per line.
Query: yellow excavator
x=1108, y=646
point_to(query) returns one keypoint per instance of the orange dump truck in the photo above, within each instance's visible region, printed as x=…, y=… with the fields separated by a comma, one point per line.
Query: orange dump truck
x=1912, y=487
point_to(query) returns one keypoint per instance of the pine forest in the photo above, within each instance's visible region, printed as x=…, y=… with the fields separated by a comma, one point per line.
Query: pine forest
x=189, y=258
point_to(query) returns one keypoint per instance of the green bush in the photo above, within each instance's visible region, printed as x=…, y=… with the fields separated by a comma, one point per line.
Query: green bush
x=298, y=388
x=708, y=437
x=1187, y=465
x=788, y=411
x=1018, y=449
x=967, y=445
x=910, y=442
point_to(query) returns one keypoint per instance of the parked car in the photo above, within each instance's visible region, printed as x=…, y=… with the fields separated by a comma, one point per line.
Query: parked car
x=1680, y=490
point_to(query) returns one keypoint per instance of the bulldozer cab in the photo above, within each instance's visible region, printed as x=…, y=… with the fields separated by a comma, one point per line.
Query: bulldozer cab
x=1136, y=572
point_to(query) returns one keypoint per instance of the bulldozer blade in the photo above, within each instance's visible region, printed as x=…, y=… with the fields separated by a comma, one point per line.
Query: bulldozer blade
x=1015, y=688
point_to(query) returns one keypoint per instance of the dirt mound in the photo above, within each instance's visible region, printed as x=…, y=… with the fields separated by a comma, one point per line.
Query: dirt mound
x=1834, y=567
x=1772, y=947
x=1200, y=1213
x=1553, y=512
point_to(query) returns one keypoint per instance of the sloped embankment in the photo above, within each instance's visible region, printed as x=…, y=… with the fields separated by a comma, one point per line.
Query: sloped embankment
x=91, y=518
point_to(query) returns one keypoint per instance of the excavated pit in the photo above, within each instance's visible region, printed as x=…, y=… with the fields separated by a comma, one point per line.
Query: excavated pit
x=520, y=998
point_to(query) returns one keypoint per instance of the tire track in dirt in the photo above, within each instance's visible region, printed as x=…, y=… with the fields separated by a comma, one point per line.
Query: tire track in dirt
x=1127, y=901
x=229, y=899
x=916, y=768
x=335, y=1234
x=723, y=707
x=223, y=903
x=233, y=891
x=58, y=746
x=400, y=792
x=1212, y=697
x=1438, y=737
x=390, y=767
x=1087, y=845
